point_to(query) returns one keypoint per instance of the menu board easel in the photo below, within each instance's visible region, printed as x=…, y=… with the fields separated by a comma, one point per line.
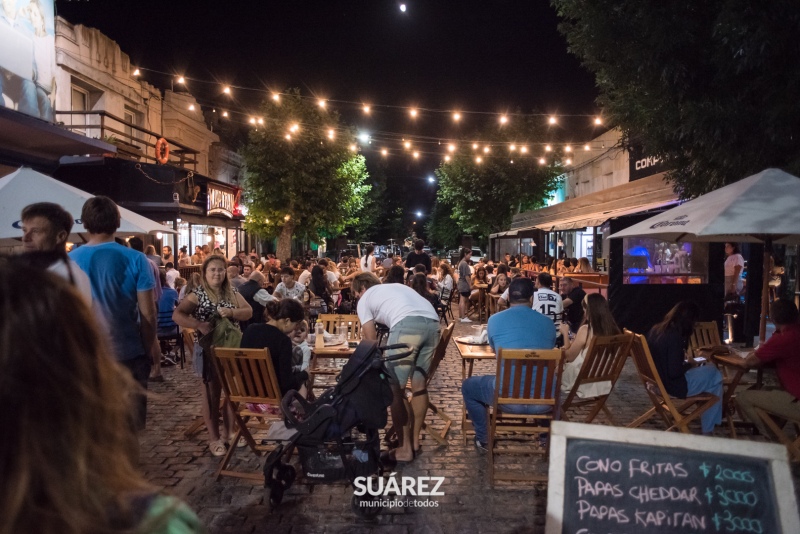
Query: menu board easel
x=606, y=480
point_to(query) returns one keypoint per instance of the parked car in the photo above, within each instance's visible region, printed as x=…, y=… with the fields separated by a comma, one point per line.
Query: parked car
x=477, y=254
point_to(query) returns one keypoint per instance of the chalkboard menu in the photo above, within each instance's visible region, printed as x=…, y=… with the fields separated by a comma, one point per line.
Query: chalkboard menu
x=620, y=484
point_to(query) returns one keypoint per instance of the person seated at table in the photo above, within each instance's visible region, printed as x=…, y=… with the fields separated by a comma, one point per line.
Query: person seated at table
x=69, y=451
x=782, y=348
x=478, y=278
x=321, y=287
x=597, y=321
x=235, y=279
x=431, y=281
x=288, y=287
x=668, y=341
x=446, y=281
x=301, y=352
x=525, y=262
x=395, y=275
x=518, y=327
x=572, y=295
x=573, y=262
x=419, y=283
x=305, y=275
x=584, y=266
x=282, y=318
x=500, y=287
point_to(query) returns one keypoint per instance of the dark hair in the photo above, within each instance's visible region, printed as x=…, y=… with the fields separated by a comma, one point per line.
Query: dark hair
x=318, y=285
x=419, y=268
x=783, y=311
x=284, y=309
x=520, y=290
x=395, y=275
x=322, y=263
x=734, y=246
x=369, y=250
x=598, y=315
x=545, y=280
x=419, y=244
x=100, y=215
x=566, y=262
x=502, y=268
x=58, y=217
x=419, y=283
x=682, y=316
x=465, y=252
x=162, y=277
x=136, y=243
x=169, y=265
x=287, y=270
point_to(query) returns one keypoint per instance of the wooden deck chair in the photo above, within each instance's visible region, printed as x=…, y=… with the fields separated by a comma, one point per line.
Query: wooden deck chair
x=247, y=376
x=776, y=423
x=604, y=361
x=676, y=413
x=332, y=320
x=541, y=390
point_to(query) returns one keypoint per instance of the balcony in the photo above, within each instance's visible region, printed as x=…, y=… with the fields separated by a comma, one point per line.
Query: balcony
x=132, y=141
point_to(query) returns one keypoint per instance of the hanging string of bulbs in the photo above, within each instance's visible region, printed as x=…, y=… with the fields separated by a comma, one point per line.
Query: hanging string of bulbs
x=411, y=144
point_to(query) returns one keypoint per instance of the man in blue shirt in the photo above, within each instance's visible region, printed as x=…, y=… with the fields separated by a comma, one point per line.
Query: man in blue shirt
x=122, y=293
x=518, y=327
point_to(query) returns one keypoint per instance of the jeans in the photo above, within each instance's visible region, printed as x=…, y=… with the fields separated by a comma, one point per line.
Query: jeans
x=706, y=379
x=139, y=368
x=478, y=393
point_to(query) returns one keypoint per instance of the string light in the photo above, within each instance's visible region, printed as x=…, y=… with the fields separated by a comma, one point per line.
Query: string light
x=478, y=159
x=586, y=147
x=287, y=217
x=552, y=120
x=353, y=148
x=224, y=113
x=413, y=113
x=512, y=148
x=569, y=161
x=366, y=109
x=321, y=103
x=474, y=146
x=503, y=119
x=191, y=107
x=227, y=90
x=416, y=155
x=136, y=72
x=524, y=150
x=567, y=148
x=548, y=148
x=598, y=121
x=512, y=161
x=288, y=137
x=294, y=127
x=181, y=79
x=486, y=150
x=451, y=147
x=384, y=152
x=252, y=120
x=331, y=133
x=407, y=145
x=541, y=161
x=447, y=158
x=260, y=120
x=456, y=116
x=276, y=97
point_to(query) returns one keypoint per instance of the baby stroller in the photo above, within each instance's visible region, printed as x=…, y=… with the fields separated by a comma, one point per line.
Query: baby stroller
x=337, y=435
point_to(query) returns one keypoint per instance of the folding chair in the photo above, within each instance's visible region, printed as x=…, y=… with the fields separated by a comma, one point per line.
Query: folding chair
x=445, y=305
x=543, y=389
x=776, y=423
x=676, y=413
x=604, y=361
x=170, y=332
x=247, y=376
x=332, y=320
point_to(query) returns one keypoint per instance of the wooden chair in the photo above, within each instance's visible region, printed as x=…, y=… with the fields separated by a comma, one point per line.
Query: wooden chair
x=776, y=423
x=247, y=376
x=676, y=413
x=604, y=361
x=332, y=320
x=541, y=390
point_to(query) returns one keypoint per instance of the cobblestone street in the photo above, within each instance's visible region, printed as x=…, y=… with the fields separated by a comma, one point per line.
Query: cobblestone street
x=184, y=467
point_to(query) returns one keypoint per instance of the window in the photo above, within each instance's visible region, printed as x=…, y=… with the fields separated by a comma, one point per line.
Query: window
x=127, y=116
x=653, y=261
x=80, y=102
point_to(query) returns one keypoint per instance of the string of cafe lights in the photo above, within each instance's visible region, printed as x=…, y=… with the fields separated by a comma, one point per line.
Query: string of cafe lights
x=483, y=150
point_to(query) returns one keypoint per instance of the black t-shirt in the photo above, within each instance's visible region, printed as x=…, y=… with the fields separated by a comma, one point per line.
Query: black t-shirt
x=667, y=350
x=259, y=336
x=415, y=259
x=575, y=310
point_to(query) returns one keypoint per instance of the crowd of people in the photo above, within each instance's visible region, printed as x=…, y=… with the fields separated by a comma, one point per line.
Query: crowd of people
x=104, y=304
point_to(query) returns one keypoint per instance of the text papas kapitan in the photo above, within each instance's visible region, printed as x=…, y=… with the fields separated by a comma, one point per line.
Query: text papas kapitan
x=642, y=493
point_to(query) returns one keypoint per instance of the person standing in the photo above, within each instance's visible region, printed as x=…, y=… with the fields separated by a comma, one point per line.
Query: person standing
x=572, y=299
x=123, y=289
x=150, y=252
x=463, y=285
x=734, y=264
x=419, y=257
x=46, y=228
x=411, y=320
x=367, y=262
x=518, y=327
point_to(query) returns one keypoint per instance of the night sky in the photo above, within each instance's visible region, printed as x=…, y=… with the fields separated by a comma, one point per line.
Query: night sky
x=490, y=56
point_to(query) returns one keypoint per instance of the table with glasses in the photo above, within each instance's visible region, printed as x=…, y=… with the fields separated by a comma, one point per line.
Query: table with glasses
x=334, y=356
x=469, y=355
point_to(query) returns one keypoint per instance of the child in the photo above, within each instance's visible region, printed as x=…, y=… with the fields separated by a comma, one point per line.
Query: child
x=301, y=352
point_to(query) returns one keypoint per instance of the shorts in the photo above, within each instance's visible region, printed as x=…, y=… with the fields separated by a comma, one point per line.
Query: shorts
x=465, y=293
x=422, y=335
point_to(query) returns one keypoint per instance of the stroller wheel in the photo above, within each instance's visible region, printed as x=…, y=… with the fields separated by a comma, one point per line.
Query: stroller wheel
x=286, y=475
x=273, y=494
x=366, y=508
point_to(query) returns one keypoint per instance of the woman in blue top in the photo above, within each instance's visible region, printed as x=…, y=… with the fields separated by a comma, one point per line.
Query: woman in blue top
x=668, y=341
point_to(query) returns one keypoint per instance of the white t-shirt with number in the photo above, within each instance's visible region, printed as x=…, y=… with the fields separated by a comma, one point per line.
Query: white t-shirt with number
x=545, y=301
x=391, y=303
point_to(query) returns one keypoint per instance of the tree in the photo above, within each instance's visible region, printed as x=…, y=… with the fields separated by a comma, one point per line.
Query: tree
x=484, y=196
x=442, y=230
x=711, y=86
x=300, y=179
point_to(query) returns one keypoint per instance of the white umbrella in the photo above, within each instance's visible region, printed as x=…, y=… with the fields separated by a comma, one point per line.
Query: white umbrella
x=763, y=208
x=26, y=186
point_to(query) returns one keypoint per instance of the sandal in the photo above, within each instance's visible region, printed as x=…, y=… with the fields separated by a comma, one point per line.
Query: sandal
x=217, y=448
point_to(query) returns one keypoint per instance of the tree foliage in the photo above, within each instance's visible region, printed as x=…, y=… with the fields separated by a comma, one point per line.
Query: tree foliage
x=309, y=185
x=484, y=196
x=712, y=86
x=442, y=230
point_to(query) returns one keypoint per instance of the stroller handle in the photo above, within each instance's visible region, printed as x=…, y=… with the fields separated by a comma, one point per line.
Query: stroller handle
x=397, y=356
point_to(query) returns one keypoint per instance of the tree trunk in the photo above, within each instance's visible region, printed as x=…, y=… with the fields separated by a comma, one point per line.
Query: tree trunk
x=284, y=250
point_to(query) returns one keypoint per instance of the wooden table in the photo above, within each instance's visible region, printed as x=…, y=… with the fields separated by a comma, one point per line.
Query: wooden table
x=331, y=353
x=491, y=303
x=469, y=354
x=481, y=300
x=735, y=363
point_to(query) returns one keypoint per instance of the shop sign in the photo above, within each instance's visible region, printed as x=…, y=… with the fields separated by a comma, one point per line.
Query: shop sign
x=221, y=202
x=642, y=165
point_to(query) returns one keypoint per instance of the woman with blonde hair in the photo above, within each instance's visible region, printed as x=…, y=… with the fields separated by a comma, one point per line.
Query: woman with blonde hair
x=584, y=266
x=597, y=321
x=215, y=296
x=69, y=452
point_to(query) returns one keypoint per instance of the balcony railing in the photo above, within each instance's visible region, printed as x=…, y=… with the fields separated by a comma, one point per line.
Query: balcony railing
x=132, y=141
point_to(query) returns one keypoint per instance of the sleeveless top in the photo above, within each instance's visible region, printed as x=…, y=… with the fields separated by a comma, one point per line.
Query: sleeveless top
x=572, y=370
x=205, y=308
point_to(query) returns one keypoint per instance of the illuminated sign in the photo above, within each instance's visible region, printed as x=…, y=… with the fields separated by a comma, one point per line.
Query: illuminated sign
x=221, y=202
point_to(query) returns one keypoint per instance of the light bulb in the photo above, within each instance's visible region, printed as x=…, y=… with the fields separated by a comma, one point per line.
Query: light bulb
x=548, y=148
x=288, y=137
x=569, y=161
x=551, y=120
x=478, y=159
x=567, y=148
x=181, y=79
x=252, y=120
x=598, y=120
x=260, y=120
x=191, y=107
x=474, y=146
x=294, y=127
x=447, y=158
x=159, y=235
x=416, y=155
x=331, y=134
x=353, y=148
x=524, y=150
x=456, y=116
x=136, y=72
x=503, y=119
x=407, y=145
x=512, y=148
x=542, y=161
x=224, y=113
x=486, y=150
x=451, y=147
x=384, y=152
x=413, y=113
x=227, y=90
x=403, y=8
x=276, y=97
x=586, y=147
x=366, y=109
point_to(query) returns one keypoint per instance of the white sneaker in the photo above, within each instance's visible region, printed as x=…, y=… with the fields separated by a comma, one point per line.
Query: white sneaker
x=466, y=320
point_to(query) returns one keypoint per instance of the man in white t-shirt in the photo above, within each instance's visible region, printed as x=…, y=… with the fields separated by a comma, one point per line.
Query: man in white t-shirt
x=288, y=288
x=172, y=273
x=411, y=320
x=545, y=300
x=46, y=228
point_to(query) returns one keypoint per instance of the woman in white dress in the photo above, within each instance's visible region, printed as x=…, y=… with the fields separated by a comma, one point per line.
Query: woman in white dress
x=734, y=264
x=597, y=321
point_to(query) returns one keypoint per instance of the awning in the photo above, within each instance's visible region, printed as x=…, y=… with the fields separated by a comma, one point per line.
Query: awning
x=596, y=208
x=509, y=233
x=28, y=141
